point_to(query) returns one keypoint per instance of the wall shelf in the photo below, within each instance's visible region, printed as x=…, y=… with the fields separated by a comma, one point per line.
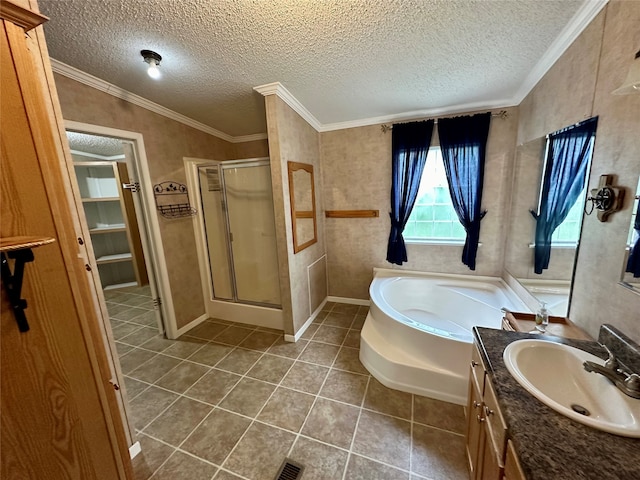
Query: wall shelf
x=110, y=229
x=18, y=249
x=101, y=199
x=112, y=223
x=114, y=258
x=352, y=213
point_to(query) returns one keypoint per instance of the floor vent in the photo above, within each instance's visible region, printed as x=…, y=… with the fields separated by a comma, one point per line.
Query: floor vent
x=290, y=470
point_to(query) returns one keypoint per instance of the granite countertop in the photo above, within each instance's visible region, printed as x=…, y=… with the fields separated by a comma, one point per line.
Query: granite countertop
x=549, y=445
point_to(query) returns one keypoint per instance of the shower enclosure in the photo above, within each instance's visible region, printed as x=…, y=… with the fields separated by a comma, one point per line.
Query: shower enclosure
x=236, y=212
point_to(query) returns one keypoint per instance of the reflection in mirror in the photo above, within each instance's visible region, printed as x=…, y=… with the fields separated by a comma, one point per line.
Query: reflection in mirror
x=553, y=285
x=303, y=205
x=631, y=270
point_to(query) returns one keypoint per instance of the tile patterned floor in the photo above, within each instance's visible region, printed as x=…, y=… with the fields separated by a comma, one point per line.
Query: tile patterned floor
x=230, y=401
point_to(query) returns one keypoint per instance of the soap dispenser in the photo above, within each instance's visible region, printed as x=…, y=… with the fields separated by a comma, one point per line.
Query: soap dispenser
x=542, y=317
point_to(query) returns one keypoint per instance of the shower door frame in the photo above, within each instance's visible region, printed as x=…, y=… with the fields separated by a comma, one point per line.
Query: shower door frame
x=266, y=315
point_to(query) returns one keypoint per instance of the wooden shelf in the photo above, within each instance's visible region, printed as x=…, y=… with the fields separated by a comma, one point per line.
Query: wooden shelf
x=559, y=326
x=115, y=258
x=9, y=244
x=352, y=213
x=101, y=199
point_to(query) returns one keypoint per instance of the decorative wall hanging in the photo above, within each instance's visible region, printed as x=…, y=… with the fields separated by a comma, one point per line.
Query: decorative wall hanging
x=172, y=200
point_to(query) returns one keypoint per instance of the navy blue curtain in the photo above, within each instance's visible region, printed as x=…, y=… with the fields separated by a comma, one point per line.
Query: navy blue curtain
x=565, y=176
x=409, y=147
x=633, y=264
x=463, y=142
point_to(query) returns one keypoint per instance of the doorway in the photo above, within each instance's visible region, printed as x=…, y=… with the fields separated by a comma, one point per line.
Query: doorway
x=111, y=173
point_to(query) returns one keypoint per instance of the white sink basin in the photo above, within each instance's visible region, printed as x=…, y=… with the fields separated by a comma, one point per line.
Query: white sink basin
x=553, y=373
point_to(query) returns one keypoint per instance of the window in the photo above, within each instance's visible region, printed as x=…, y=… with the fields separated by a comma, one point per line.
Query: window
x=568, y=232
x=433, y=218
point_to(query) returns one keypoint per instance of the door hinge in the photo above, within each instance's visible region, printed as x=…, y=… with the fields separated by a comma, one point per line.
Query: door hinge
x=231, y=236
x=133, y=186
x=156, y=303
x=115, y=385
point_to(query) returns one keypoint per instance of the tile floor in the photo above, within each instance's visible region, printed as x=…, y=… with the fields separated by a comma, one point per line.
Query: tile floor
x=231, y=401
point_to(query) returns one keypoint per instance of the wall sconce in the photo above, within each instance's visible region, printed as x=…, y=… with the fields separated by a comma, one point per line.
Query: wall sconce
x=153, y=59
x=632, y=83
x=606, y=199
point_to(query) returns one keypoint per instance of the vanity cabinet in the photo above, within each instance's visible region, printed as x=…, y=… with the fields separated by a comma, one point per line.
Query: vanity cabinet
x=512, y=468
x=486, y=429
x=113, y=227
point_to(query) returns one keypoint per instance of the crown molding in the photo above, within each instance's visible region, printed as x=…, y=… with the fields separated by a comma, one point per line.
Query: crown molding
x=106, y=87
x=583, y=17
x=419, y=114
x=276, y=88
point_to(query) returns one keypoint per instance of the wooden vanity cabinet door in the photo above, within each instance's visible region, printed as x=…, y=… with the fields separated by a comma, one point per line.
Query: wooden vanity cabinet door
x=475, y=432
x=512, y=468
x=475, y=439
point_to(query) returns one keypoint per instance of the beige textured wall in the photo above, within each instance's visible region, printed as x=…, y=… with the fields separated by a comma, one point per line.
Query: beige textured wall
x=292, y=139
x=166, y=143
x=356, y=169
x=255, y=149
x=578, y=86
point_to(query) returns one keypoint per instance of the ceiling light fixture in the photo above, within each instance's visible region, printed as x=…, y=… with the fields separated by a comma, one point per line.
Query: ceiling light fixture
x=153, y=59
x=632, y=82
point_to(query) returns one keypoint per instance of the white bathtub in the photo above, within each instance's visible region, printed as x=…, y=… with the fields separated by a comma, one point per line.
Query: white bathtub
x=417, y=336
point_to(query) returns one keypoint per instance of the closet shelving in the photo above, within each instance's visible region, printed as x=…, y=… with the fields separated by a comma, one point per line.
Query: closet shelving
x=110, y=215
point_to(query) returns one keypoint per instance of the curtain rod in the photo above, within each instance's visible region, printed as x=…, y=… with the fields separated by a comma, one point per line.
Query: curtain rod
x=501, y=114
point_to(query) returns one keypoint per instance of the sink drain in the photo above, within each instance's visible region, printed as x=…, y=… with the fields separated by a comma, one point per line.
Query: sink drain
x=580, y=409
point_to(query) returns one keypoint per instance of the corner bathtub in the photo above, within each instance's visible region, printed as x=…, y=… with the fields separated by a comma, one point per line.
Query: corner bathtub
x=417, y=336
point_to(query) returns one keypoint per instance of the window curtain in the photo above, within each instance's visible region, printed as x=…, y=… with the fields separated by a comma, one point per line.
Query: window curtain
x=409, y=147
x=565, y=176
x=463, y=141
x=633, y=264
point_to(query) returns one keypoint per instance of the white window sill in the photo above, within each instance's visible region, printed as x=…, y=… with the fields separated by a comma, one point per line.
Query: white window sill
x=450, y=243
x=571, y=246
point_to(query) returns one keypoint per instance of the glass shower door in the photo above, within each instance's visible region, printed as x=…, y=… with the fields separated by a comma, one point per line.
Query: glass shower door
x=239, y=224
x=252, y=232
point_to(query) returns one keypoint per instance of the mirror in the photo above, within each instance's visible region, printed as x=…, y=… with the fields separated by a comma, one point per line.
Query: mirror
x=631, y=270
x=303, y=205
x=553, y=285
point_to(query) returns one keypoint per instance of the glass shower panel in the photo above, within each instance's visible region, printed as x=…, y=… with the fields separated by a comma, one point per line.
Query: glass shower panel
x=252, y=233
x=216, y=231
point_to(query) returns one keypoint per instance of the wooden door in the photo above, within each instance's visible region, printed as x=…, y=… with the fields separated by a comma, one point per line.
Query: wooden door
x=58, y=410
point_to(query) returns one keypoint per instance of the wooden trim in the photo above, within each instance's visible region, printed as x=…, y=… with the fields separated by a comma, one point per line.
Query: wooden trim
x=20, y=16
x=351, y=213
x=295, y=214
x=302, y=214
x=131, y=222
x=36, y=80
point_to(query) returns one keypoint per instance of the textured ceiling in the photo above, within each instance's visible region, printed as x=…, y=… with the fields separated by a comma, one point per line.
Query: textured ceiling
x=95, y=144
x=344, y=60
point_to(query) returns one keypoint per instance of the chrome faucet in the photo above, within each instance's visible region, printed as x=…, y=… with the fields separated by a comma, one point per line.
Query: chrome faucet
x=627, y=382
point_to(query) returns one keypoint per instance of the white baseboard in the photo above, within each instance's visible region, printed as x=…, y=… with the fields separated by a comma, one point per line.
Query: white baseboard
x=134, y=450
x=191, y=324
x=299, y=333
x=352, y=301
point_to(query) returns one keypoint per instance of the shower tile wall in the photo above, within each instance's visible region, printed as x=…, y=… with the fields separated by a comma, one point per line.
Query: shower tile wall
x=231, y=401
